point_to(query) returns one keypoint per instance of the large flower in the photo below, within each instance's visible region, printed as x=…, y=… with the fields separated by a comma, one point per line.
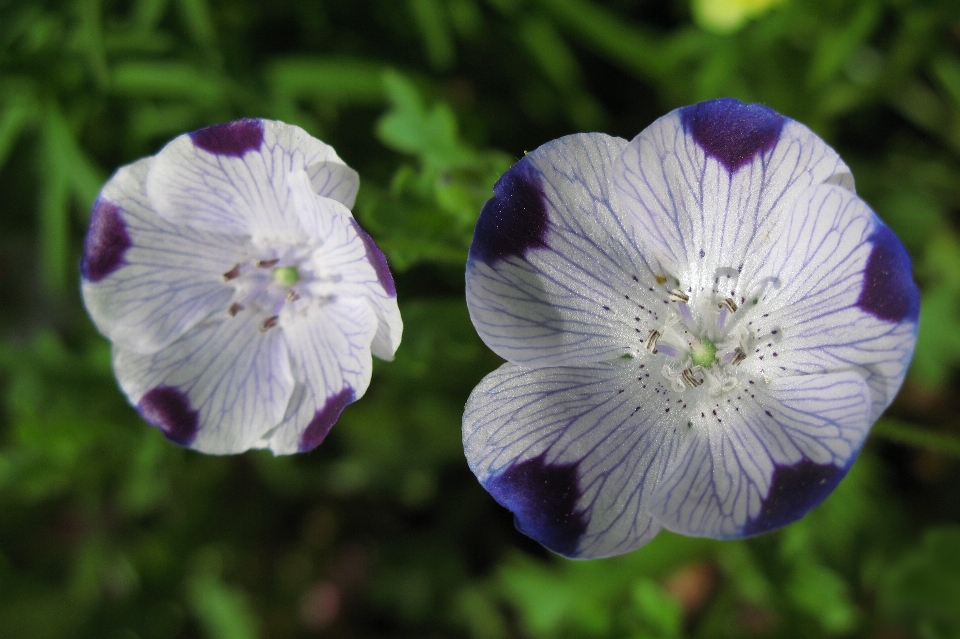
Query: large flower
x=701, y=326
x=242, y=299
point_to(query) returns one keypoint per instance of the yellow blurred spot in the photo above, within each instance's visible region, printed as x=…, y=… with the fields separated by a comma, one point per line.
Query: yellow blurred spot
x=726, y=16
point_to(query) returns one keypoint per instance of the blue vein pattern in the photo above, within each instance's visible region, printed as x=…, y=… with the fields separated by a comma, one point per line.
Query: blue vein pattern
x=243, y=300
x=700, y=328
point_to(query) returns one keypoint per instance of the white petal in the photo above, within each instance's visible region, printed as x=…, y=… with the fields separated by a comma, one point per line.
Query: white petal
x=703, y=184
x=217, y=389
x=574, y=452
x=552, y=277
x=826, y=310
x=746, y=465
x=147, y=281
x=330, y=350
x=233, y=178
x=351, y=254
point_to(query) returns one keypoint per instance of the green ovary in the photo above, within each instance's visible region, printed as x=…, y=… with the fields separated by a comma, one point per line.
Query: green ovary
x=286, y=275
x=704, y=353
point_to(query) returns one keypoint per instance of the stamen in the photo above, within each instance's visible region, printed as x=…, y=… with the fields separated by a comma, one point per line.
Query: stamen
x=690, y=379
x=729, y=304
x=738, y=356
x=651, y=342
x=232, y=273
x=292, y=296
x=761, y=288
x=267, y=263
x=669, y=351
x=676, y=295
x=687, y=315
x=721, y=320
x=269, y=323
x=234, y=309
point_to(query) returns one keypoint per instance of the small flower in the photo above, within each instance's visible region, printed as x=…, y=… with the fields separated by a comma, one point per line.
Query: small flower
x=242, y=298
x=727, y=16
x=700, y=325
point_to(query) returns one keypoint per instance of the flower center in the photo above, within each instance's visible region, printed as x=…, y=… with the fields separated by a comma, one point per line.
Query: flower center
x=286, y=276
x=703, y=353
x=706, y=334
x=267, y=286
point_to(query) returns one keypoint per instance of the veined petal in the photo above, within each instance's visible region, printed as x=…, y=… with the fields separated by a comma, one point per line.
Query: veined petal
x=704, y=184
x=575, y=452
x=354, y=257
x=737, y=471
x=330, y=354
x=233, y=178
x=217, y=389
x=553, y=277
x=146, y=281
x=845, y=297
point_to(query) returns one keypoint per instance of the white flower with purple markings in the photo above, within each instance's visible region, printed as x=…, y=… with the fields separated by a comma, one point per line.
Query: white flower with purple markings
x=701, y=325
x=242, y=298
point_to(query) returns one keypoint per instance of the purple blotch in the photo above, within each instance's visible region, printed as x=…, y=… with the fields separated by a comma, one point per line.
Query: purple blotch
x=168, y=409
x=106, y=243
x=231, y=138
x=795, y=491
x=731, y=131
x=543, y=499
x=377, y=259
x=889, y=292
x=514, y=220
x=324, y=419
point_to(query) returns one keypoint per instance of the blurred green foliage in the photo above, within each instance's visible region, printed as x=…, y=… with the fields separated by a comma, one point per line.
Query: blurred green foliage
x=108, y=531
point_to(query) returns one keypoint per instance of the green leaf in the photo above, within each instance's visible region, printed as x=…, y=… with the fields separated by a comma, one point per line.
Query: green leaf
x=91, y=38
x=341, y=81
x=836, y=45
x=411, y=127
x=825, y=595
x=919, y=436
x=16, y=114
x=431, y=20
x=171, y=80
x=223, y=611
x=923, y=588
x=199, y=22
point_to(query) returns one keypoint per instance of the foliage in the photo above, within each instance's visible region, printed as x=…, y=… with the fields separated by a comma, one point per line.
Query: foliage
x=107, y=530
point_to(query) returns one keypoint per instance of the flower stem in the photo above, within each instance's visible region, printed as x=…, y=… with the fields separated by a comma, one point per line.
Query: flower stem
x=919, y=436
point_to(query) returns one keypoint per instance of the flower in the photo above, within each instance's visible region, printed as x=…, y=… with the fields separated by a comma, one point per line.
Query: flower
x=700, y=325
x=242, y=298
x=727, y=16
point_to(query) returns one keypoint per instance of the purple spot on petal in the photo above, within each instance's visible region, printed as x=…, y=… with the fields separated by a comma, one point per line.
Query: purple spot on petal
x=731, y=131
x=106, y=243
x=514, y=220
x=543, y=498
x=377, y=259
x=795, y=491
x=168, y=409
x=889, y=292
x=325, y=418
x=231, y=138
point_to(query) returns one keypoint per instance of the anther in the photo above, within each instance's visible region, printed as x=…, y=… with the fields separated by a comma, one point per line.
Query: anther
x=738, y=356
x=676, y=295
x=690, y=379
x=232, y=273
x=729, y=304
x=267, y=263
x=651, y=342
x=269, y=323
x=234, y=309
